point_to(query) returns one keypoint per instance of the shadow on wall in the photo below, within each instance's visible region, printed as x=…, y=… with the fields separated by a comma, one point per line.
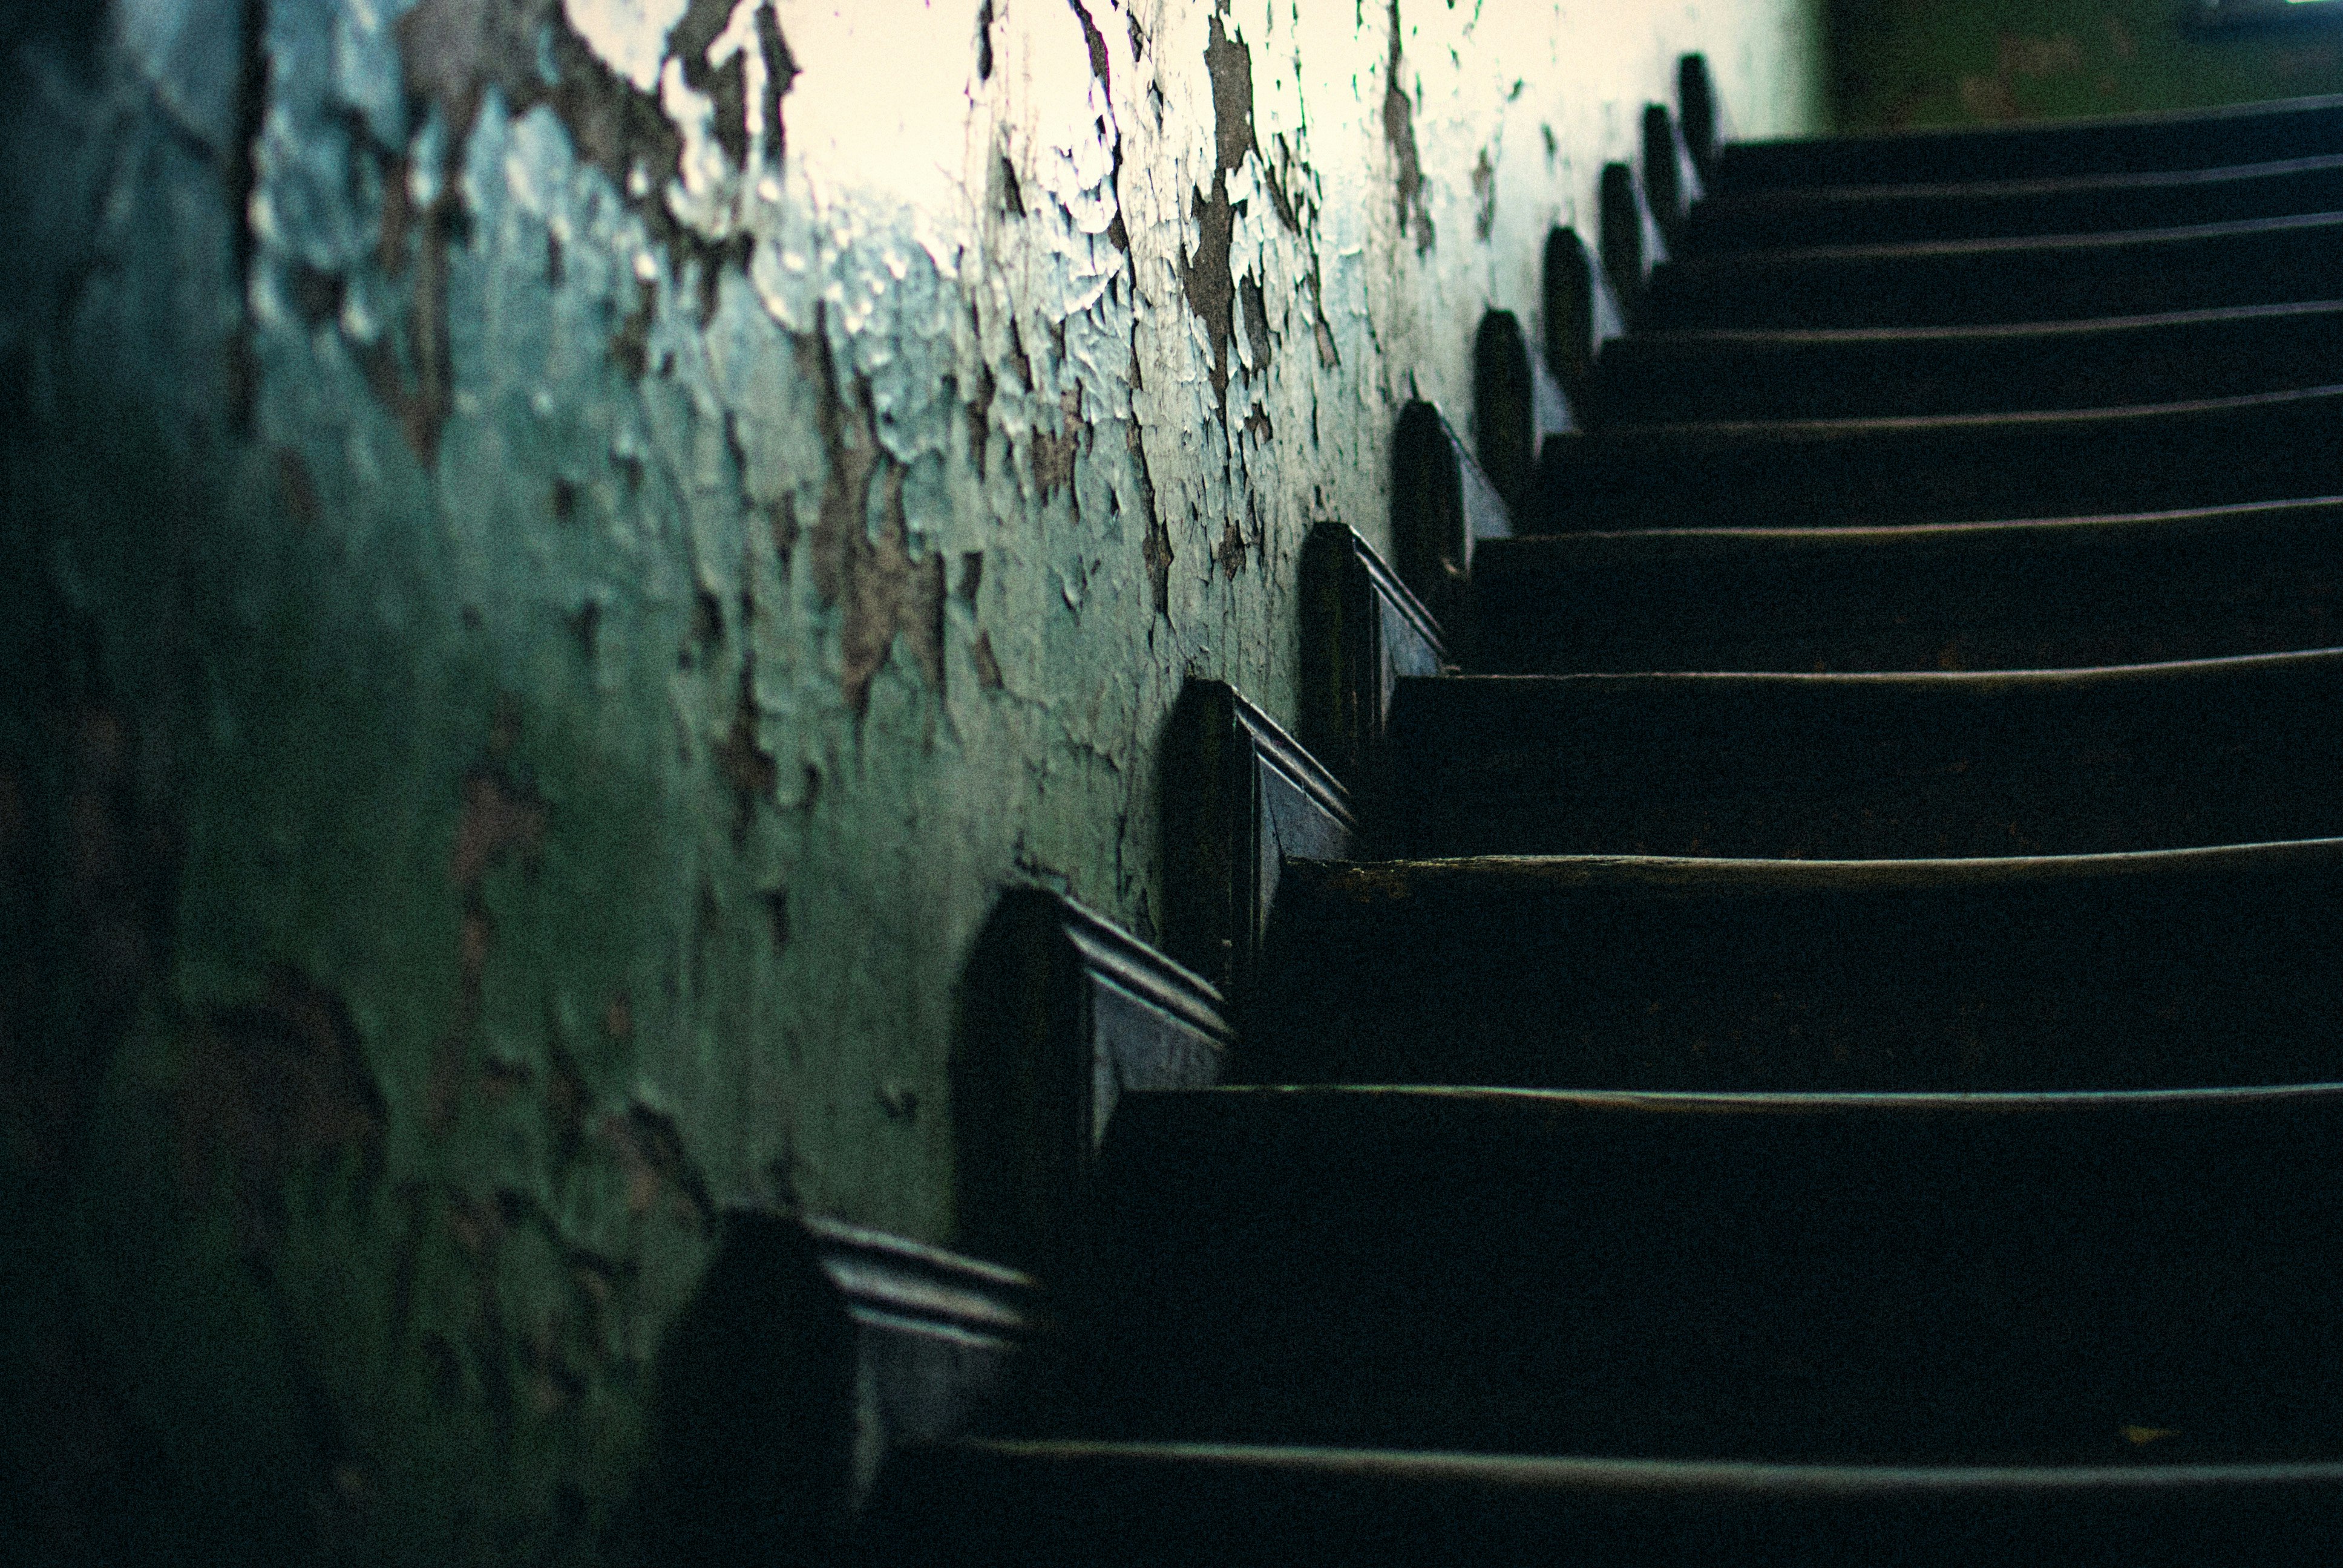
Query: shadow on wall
x=1894, y=65
x=752, y=1426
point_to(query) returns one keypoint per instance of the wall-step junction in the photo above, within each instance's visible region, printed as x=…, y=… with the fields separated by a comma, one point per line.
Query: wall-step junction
x=1805, y=1031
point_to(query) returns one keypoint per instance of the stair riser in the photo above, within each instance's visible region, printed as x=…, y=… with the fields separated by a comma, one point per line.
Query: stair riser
x=1875, y=475
x=1724, y=977
x=1849, y=769
x=2281, y=264
x=1726, y=377
x=2205, y=586
x=1850, y=1284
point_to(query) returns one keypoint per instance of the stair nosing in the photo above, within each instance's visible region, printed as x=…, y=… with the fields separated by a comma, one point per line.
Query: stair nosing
x=2146, y=672
x=1904, y=533
x=2079, y=326
x=2053, y=185
x=1815, y=431
x=1688, y=1475
x=1722, y=874
x=1784, y=1102
x=2001, y=244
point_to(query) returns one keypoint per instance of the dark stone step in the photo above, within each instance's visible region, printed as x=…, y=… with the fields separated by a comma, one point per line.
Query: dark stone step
x=2084, y=204
x=1906, y=1279
x=1867, y=767
x=990, y=1505
x=1972, y=467
x=1880, y=372
x=2135, y=970
x=2183, y=140
x=2267, y=261
x=2260, y=578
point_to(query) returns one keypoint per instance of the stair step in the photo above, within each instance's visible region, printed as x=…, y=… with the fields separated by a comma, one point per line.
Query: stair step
x=2256, y=578
x=2154, y=969
x=1897, y=1278
x=2076, y=204
x=991, y=1505
x=1879, y=372
x=1864, y=767
x=2183, y=140
x=1969, y=467
x=2063, y=278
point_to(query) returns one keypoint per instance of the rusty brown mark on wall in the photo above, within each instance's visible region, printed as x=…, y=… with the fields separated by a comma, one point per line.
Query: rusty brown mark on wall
x=503, y=818
x=1399, y=132
x=269, y=1088
x=452, y=52
x=748, y=769
x=1053, y=455
x=1156, y=549
x=882, y=590
x=1210, y=288
x=651, y=1152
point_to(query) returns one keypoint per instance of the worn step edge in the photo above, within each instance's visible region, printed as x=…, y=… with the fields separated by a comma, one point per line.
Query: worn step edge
x=1367, y=882
x=1721, y=1477
x=2095, y=326
x=2014, y=189
x=1794, y=1102
x=1598, y=546
x=2004, y=245
x=2169, y=673
x=1808, y=432
x=1909, y=212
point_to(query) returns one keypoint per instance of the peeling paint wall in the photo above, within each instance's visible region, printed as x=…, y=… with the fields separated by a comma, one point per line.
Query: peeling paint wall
x=1895, y=63
x=558, y=556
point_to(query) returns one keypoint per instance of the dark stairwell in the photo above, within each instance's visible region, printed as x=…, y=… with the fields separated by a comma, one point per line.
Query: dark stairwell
x=617, y=676
x=1829, y=1053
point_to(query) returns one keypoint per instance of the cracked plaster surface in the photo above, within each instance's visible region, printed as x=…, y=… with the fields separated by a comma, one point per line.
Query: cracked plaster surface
x=620, y=526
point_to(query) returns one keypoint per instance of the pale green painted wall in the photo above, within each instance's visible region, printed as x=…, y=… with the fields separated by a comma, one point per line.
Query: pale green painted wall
x=546, y=598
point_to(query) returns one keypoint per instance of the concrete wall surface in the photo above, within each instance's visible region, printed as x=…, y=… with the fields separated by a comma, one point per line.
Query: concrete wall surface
x=557, y=557
x=1897, y=64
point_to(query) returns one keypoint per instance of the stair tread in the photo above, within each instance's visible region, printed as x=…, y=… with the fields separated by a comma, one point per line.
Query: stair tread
x=1386, y=881
x=1782, y=1114
x=2053, y=204
x=2027, y=277
x=1846, y=372
x=1891, y=1279
x=989, y=1502
x=1867, y=765
x=2256, y=577
x=2135, y=969
x=1575, y=1472
x=1945, y=468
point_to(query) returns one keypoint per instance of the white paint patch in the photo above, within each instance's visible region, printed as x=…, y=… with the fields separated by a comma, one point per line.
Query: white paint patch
x=630, y=35
x=881, y=105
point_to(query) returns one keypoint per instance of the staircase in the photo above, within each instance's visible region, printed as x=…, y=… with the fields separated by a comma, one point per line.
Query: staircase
x=1831, y=1061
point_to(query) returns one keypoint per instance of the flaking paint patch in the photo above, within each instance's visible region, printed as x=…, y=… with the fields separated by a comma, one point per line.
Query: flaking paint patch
x=1399, y=135
x=629, y=771
x=629, y=35
x=880, y=589
x=1212, y=290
